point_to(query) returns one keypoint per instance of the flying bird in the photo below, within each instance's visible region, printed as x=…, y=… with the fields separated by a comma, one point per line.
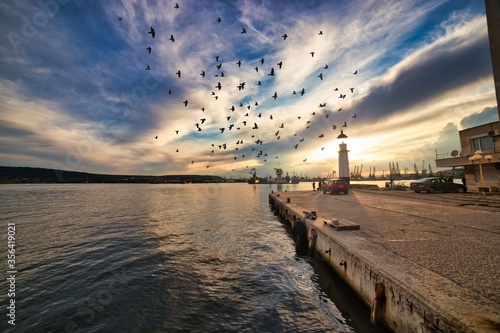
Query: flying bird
x=345, y=124
x=284, y=36
x=351, y=89
x=355, y=72
x=178, y=73
x=312, y=54
x=322, y=106
x=149, y=49
x=280, y=64
x=219, y=66
x=156, y=137
x=152, y=32
x=218, y=86
x=320, y=32
x=302, y=92
x=148, y=68
x=216, y=58
x=218, y=20
x=321, y=76
x=354, y=116
x=326, y=67
x=239, y=63
x=275, y=95
x=172, y=38
x=262, y=61
x=243, y=31
x=176, y=131
x=185, y=102
x=176, y=5
x=272, y=72
x=202, y=73
x=321, y=136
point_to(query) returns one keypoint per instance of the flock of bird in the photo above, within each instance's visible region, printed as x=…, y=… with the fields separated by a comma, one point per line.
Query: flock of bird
x=249, y=145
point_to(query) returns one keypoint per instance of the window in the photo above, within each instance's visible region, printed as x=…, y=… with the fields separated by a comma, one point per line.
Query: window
x=484, y=143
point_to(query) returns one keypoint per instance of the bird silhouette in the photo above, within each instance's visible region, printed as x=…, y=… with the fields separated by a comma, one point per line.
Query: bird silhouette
x=355, y=72
x=280, y=64
x=203, y=120
x=219, y=66
x=176, y=5
x=202, y=73
x=262, y=61
x=284, y=36
x=149, y=49
x=312, y=54
x=275, y=95
x=156, y=137
x=320, y=32
x=321, y=136
x=178, y=73
x=216, y=58
x=218, y=86
x=169, y=91
x=354, y=116
x=302, y=92
x=322, y=106
x=239, y=63
x=272, y=72
x=148, y=68
x=321, y=76
x=296, y=146
x=176, y=131
x=185, y=102
x=172, y=38
x=219, y=20
x=152, y=32
x=222, y=129
x=255, y=126
x=345, y=124
x=326, y=67
x=243, y=31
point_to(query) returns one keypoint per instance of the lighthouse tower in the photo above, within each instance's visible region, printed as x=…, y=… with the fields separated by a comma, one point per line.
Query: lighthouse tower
x=343, y=159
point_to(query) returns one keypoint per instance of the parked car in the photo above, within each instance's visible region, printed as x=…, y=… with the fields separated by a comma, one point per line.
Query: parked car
x=436, y=184
x=336, y=186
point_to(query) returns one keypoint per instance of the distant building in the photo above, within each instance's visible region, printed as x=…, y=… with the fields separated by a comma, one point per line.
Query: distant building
x=484, y=138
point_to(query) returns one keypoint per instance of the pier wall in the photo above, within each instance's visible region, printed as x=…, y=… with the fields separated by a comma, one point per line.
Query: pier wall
x=387, y=283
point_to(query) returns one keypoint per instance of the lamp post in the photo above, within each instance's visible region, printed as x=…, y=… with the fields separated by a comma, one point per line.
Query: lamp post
x=478, y=157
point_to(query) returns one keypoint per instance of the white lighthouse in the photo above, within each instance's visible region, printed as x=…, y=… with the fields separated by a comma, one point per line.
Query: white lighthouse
x=343, y=158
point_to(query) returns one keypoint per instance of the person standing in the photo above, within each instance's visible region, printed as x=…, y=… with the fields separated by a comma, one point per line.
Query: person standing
x=314, y=186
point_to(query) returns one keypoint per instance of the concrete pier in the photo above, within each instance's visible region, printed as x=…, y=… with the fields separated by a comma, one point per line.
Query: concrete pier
x=421, y=262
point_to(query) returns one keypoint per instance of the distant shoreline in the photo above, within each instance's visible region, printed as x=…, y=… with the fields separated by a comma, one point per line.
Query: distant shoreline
x=32, y=175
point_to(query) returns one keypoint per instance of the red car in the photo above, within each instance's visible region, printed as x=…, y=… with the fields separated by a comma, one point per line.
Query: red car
x=336, y=186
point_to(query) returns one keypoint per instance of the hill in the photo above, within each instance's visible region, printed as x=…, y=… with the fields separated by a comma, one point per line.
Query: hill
x=13, y=175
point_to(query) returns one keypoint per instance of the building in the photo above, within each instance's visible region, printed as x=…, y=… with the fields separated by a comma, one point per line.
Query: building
x=484, y=138
x=481, y=174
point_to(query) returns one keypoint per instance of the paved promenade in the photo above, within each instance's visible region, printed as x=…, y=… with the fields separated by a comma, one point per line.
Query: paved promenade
x=456, y=236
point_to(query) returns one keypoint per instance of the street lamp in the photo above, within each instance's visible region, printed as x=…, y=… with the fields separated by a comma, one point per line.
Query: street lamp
x=478, y=157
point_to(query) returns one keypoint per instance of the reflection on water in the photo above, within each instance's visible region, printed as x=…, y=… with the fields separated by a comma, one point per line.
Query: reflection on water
x=161, y=258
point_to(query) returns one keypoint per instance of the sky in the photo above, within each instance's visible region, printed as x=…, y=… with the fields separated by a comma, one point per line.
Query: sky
x=79, y=89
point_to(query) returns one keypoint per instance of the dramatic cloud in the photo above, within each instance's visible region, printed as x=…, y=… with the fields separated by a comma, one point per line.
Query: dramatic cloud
x=399, y=78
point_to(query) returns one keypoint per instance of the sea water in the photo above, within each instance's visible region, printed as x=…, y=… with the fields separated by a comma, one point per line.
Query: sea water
x=164, y=258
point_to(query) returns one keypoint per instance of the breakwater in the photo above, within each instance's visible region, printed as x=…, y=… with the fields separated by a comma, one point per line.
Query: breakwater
x=405, y=293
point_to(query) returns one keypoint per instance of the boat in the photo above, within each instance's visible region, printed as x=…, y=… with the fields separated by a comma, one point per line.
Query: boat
x=254, y=179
